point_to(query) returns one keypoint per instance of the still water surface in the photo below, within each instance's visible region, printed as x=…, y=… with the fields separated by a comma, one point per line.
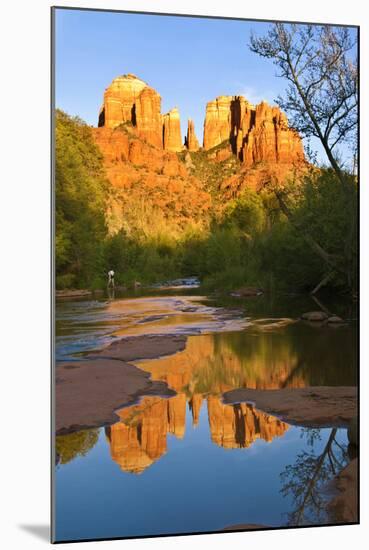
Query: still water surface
x=191, y=463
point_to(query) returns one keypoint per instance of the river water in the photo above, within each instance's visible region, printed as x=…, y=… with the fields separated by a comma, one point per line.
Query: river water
x=190, y=463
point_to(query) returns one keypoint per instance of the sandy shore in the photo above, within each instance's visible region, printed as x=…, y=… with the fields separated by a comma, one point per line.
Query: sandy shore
x=315, y=406
x=88, y=392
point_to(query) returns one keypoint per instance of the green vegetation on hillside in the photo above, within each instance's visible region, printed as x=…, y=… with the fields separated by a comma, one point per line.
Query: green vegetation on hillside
x=252, y=242
x=80, y=203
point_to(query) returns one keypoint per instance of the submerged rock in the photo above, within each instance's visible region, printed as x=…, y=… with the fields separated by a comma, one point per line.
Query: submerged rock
x=314, y=316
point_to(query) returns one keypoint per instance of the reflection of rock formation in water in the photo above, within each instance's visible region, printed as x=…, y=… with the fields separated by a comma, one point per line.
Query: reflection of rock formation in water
x=177, y=415
x=140, y=438
x=195, y=406
x=218, y=363
x=240, y=425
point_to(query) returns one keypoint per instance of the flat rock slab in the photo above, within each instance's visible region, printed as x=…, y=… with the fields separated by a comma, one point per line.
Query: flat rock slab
x=314, y=406
x=143, y=347
x=88, y=392
x=72, y=293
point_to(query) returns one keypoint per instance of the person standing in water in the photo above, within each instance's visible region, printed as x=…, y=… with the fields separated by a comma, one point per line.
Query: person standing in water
x=111, y=279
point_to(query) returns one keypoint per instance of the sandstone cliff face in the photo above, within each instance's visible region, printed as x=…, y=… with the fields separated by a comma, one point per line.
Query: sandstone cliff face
x=191, y=141
x=172, y=137
x=119, y=100
x=256, y=134
x=129, y=100
x=245, y=146
x=147, y=117
x=218, y=123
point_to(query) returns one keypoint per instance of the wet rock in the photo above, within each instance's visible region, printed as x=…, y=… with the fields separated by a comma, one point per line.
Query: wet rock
x=152, y=319
x=313, y=406
x=87, y=395
x=134, y=348
x=314, y=316
x=72, y=293
x=335, y=319
x=247, y=291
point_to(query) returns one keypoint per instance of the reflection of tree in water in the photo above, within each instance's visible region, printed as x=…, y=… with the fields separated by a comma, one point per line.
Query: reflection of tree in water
x=304, y=480
x=68, y=447
x=317, y=356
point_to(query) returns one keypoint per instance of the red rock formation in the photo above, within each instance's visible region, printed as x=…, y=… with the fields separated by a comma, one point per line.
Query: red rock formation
x=163, y=178
x=217, y=125
x=119, y=100
x=147, y=117
x=139, y=146
x=172, y=137
x=270, y=139
x=129, y=100
x=191, y=141
x=256, y=134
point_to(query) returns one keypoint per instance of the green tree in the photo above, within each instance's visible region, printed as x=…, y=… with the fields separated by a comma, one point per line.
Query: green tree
x=319, y=62
x=80, y=203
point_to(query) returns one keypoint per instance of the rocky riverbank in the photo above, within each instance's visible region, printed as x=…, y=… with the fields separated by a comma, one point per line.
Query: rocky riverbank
x=314, y=407
x=89, y=391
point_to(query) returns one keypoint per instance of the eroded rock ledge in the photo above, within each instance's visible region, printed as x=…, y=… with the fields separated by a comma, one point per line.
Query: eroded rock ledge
x=314, y=406
x=88, y=392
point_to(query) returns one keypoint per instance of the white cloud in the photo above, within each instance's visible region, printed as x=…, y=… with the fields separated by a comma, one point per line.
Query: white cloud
x=254, y=95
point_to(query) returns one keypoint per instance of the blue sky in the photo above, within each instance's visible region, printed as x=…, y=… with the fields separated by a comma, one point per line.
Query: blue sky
x=189, y=61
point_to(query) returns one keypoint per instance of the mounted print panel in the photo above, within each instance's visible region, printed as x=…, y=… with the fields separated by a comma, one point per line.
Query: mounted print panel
x=205, y=369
